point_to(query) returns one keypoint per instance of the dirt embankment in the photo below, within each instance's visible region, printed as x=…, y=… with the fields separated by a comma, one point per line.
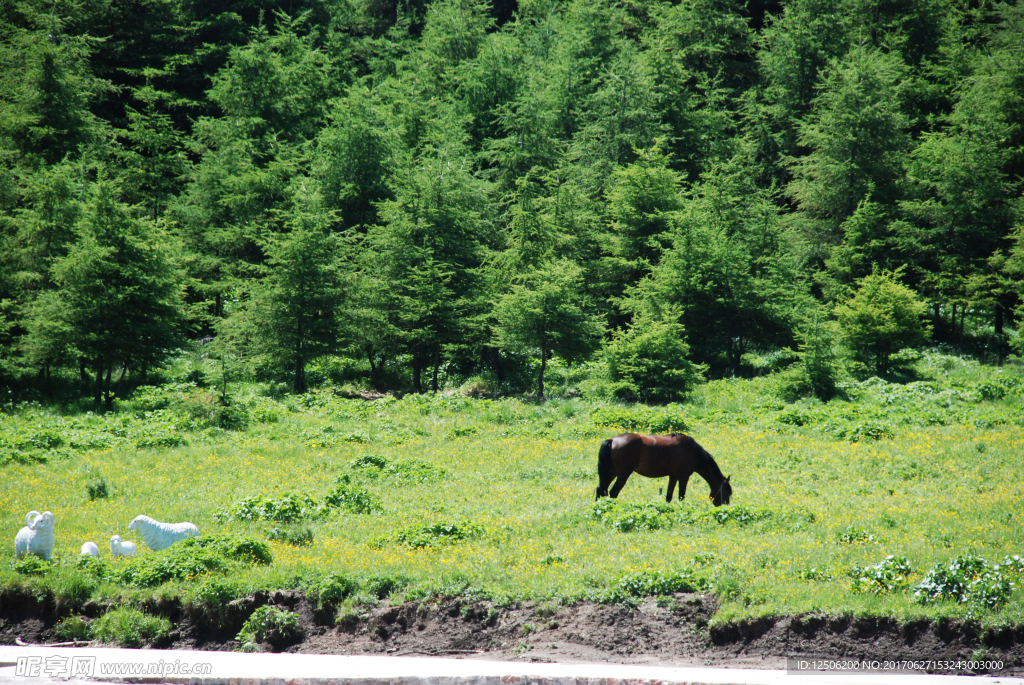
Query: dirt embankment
x=674, y=633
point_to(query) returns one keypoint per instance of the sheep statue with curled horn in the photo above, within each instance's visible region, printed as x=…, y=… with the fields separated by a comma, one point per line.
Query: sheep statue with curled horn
x=158, y=536
x=36, y=537
x=677, y=456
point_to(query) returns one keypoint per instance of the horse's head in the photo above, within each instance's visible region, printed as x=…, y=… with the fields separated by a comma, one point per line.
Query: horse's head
x=722, y=494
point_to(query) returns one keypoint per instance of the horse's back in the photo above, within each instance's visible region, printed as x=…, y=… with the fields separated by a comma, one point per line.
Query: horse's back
x=653, y=456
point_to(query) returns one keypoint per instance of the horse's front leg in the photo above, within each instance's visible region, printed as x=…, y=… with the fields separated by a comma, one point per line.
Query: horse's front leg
x=671, y=487
x=682, y=485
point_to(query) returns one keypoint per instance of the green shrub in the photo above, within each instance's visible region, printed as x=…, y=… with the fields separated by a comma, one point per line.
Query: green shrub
x=966, y=579
x=626, y=517
x=332, y=589
x=815, y=573
x=738, y=514
x=352, y=498
x=97, y=568
x=881, y=318
x=193, y=558
x=370, y=461
x=888, y=575
x=286, y=509
x=384, y=586
x=203, y=410
x=126, y=627
x=641, y=419
x=296, y=537
x=216, y=591
x=271, y=625
x=653, y=583
x=431, y=535
x=97, y=490
x=72, y=628
x=31, y=565
x=648, y=361
x=410, y=470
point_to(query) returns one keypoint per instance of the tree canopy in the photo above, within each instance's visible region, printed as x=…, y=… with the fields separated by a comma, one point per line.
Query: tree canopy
x=456, y=186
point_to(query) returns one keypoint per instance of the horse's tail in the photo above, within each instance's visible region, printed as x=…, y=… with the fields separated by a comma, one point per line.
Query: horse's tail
x=604, y=468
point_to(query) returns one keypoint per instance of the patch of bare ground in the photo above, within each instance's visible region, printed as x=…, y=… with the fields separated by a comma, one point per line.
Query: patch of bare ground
x=676, y=632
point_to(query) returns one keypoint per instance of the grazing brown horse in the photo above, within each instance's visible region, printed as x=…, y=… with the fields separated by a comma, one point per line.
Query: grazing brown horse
x=656, y=456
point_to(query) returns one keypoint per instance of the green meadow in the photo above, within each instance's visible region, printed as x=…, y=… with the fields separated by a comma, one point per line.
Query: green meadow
x=400, y=499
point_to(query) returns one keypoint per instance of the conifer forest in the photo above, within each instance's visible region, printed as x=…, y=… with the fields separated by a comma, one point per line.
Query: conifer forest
x=656, y=192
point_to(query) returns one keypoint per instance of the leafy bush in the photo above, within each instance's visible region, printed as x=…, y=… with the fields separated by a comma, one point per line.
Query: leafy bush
x=433, y=534
x=384, y=586
x=203, y=410
x=966, y=579
x=410, y=470
x=738, y=514
x=97, y=568
x=641, y=419
x=296, y=537
x=126, y=627
x=649, y=361
x=31, y=565
x=72, y=628
x=653, y=583
x=97, y=490
x=626, y=517
x=352, y=498
x=268, y=624
x=888, y=575
x=287, y=509
x=331, y=589
x=193, y=558
x=815, y=573
x=215, y=592
x=880, y=319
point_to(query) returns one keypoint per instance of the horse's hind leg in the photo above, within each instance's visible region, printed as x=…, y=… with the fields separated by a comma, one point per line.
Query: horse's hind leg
x=671, y=488
x=619, y=483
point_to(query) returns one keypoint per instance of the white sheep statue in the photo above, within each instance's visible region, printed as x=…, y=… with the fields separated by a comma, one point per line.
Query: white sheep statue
x=158, y=536
x=122, y=549
x=91, y=549
x=36, y=537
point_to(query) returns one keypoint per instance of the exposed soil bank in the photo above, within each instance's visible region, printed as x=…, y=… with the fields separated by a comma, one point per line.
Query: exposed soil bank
x=650, y=634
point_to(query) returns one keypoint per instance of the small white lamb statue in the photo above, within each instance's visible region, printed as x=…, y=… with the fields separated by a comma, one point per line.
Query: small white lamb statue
x=121, y=549
x=159, y=535
x=91, y=549
x=36, y=537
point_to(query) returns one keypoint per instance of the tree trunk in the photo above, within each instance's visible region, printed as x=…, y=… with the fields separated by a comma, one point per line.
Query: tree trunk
x=81, y=369
x=417, y=368
x=999, y=334
x=373, y=367
x=937, y=320
x=499, y=368
x=433, y=377
x=120, y=379
x=107, y=400
x=97, y=393
x=540, y=378
x=963, y=315
x=952, y=325
x=300, y=376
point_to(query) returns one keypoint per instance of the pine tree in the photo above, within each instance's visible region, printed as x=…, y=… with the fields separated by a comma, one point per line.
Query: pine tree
x=297, y=312
x=118, y=300
x=547, y=312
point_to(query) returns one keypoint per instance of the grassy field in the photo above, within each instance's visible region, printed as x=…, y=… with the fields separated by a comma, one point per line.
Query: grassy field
x=496, y=497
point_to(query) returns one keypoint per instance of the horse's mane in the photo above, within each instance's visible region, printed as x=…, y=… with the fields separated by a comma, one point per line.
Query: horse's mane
x=708, y=463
